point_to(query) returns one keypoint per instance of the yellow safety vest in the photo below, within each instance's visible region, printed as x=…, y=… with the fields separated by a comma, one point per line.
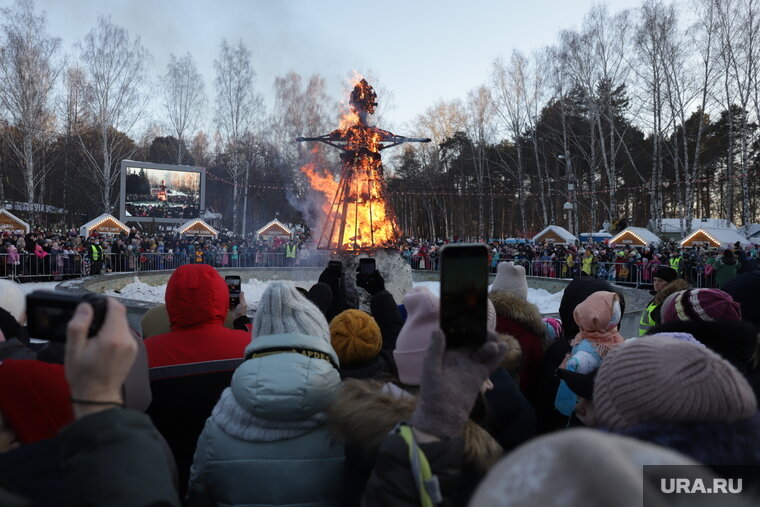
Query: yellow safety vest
x=290, y=251
x=647, y=322
x=94, y=252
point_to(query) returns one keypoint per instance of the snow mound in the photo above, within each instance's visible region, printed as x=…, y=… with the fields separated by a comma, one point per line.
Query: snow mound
x=543, y=299
x=141, y=291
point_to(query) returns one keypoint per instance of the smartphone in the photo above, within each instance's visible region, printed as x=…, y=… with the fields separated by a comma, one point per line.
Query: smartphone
x=464, y=294
x=366, y=266
x=335, y=265
x=233, y=286
x=48, y=313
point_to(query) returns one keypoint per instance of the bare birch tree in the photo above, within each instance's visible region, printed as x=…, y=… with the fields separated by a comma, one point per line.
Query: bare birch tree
x=509, y=92
x=29, y=69
x=238, y=106
x=114, y=66
x=183, y=99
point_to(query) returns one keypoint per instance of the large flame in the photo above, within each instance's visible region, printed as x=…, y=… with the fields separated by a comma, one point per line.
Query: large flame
x=357, y=215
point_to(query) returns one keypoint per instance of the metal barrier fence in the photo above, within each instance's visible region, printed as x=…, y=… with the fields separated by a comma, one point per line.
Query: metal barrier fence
x=623, y=273
x=30, y=267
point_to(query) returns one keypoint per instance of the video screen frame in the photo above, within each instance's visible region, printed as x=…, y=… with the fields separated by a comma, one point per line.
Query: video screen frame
x=125, y=164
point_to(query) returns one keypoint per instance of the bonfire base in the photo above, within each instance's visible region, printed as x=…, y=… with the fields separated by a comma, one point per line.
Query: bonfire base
x=396, y=272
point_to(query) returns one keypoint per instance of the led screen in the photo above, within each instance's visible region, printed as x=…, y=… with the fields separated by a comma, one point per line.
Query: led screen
x=160, y=193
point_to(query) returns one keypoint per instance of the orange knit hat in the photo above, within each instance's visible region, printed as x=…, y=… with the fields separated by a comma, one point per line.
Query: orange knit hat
x=355, y=336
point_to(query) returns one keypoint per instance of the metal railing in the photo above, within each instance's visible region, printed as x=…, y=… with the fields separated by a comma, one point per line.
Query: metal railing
x=624, y=273
x=27, y=267
x=30, y=267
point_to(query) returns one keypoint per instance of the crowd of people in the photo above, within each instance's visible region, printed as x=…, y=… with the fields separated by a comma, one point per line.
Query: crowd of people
x=315, y=403
x=41, y=255
x=703, y=267
x=57, y=255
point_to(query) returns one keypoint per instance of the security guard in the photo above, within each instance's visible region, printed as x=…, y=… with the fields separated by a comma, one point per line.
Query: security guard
x=290, y=253
x=676, y=262
x=96, y=257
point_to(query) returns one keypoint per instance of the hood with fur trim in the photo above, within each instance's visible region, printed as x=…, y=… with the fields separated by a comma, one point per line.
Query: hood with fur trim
x=512, y=360
x=676, y=285
x=365, y=411
x=514, y=308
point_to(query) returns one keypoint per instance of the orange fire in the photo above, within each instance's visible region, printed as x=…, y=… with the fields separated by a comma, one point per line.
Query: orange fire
x=357, y=215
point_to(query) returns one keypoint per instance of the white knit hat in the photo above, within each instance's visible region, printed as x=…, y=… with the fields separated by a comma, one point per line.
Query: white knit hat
x=283, y=309
x=12, y=299
x=511, y=278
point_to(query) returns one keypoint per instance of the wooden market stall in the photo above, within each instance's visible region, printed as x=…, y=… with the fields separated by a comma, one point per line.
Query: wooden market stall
x=104, y=224
x=198, y=227
x=714, y=238
x=274, y=229
x=556, y=235
x=10, y=222
x=635, y=236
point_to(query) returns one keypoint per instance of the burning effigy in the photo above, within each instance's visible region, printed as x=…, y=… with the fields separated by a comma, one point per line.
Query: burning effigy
x=358, y=215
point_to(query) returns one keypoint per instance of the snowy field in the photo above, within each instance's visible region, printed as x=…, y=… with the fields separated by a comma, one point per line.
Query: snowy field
x=543, y=299
x=253, y=289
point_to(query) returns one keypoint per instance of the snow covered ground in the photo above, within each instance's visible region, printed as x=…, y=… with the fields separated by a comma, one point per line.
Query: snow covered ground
x=254, y=288
x=543, y=299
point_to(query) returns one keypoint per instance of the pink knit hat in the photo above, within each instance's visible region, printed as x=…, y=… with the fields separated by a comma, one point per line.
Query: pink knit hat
x=662, y=379
x=423, y=310
x=701, y=305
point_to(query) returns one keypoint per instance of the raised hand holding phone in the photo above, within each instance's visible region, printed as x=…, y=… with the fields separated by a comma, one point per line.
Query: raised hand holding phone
x=464, y=294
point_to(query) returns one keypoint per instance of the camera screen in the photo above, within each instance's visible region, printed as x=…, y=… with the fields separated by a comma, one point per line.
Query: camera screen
x=233, y=284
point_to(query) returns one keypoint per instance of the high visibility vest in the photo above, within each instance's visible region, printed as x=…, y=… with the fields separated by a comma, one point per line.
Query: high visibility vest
x=586, y=267
x=647, y=322
x=290, y=251
x=675, y=263
x=94, y=252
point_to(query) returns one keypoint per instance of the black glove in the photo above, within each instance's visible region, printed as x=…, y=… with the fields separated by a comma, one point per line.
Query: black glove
x=371, y=282
x=331, y=277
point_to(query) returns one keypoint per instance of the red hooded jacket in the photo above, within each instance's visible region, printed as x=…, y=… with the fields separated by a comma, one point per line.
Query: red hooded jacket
x=197, y=300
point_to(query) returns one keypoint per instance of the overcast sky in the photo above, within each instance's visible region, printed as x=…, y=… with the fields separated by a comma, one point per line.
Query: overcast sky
x=420, y=50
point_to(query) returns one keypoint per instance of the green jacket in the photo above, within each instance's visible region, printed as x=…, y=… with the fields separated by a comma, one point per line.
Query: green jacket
x=725, y=271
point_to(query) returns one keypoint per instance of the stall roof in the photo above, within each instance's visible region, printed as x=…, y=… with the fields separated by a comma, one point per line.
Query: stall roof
x=726, y=238
x=753, y=231
x=646, y=236
x=197, y=227
x=673, y=225
x=10, y=222
x=114, y=225
x=275, y=225
x=557, y=231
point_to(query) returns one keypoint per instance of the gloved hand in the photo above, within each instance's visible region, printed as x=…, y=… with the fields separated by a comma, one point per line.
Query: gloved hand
x=450, y=382
x=372, y=282
x=331, y=277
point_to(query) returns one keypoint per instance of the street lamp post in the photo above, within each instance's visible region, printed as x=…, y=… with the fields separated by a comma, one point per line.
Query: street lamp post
x=569, y=206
